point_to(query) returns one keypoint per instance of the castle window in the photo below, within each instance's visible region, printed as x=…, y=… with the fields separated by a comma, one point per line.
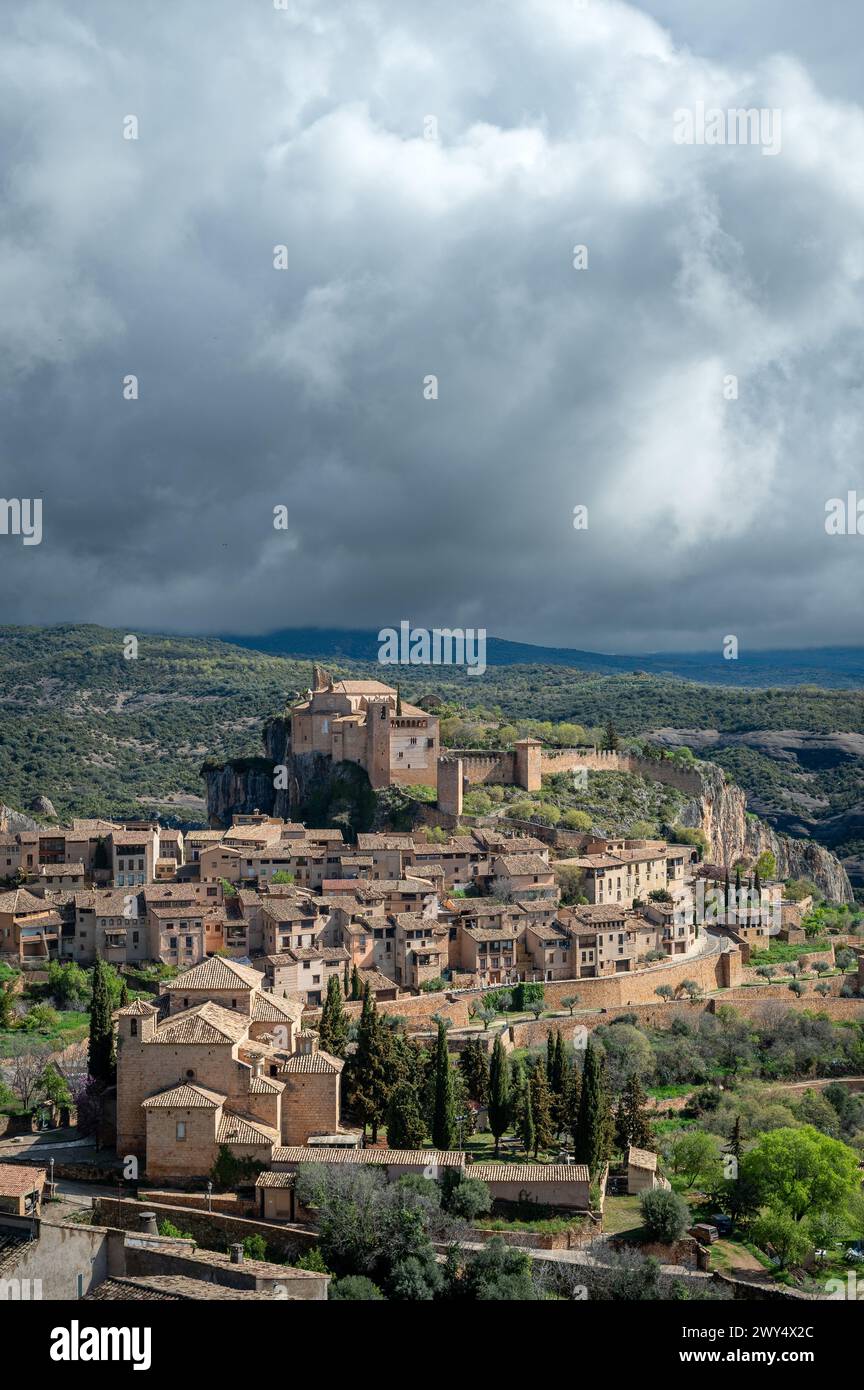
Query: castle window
x=181, y=1131
x=133, y=1028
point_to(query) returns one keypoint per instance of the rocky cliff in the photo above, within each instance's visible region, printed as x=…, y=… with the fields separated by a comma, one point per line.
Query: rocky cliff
x=295, y=786
x=720, y=809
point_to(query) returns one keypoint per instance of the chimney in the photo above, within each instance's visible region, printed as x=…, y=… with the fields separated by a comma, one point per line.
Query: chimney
x=236, y=1253
x=147, y=1223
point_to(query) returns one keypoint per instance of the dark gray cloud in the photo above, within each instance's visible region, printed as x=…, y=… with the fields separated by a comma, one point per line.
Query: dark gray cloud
x=409, y=256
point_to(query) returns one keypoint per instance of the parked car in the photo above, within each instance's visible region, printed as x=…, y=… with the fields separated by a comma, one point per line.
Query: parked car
x=723, y=1223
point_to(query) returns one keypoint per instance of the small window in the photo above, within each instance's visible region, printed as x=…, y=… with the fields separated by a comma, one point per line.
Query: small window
x=181, y=1131
x=133, y=1028
x=233, y=1003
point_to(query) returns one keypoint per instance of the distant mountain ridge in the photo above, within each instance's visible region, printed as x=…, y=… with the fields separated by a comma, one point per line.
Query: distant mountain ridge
x=828, y=667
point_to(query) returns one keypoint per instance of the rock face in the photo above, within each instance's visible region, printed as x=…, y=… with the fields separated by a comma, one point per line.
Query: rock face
x=42, y=806
x=720, y=809
x=11, y=822
x=301, y=786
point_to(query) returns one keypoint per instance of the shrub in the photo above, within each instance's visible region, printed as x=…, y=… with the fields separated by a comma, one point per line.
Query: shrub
x=525, y=993
x=356, y=1288
x=665, y=1215
x=255, y=1247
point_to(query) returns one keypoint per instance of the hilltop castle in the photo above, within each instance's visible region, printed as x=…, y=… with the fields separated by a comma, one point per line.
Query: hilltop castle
x=367, y=722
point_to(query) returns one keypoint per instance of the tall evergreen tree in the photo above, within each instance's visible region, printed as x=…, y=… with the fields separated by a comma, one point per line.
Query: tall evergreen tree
x=474, y=1066
x=356, y=990
x=101, y=1061
x=571, y=1103
x=124, y=993
x=610, y=740
x=333, y=1029
x=370, y=1074
x=593, y=1138
x=499, y=1092
x=541, y=1106
x=550, y=1052
x=525, y=1119
x=558, y=1069
x=346, y=980
x=631, y=1118
x=406, y=1128
x=444, y=1114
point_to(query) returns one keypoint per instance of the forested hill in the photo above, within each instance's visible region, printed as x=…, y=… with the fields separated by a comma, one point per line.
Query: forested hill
x=100, y=734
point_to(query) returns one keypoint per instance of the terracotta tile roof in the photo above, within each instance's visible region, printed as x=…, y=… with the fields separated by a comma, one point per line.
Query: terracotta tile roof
x=307, y=1063
x=16, y=1180
x=237, y=1129
x=521, y=864
x=137, y=1008
x=263, y=1086
x=12, y=1247
x=18, y=900
x=530, y=1172
x=206, y=1023
x=420, y=1158
x=642, y=1158
x=219, y=973
x=287, y=912
x=168, y=1288
x=275, y=1179
x=268, y=1008
x=184, y=1097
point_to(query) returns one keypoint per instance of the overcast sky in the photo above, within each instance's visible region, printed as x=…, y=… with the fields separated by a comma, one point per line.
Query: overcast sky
x=409, y=256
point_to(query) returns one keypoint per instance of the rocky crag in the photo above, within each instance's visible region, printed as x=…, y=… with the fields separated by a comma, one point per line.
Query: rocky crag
x=296, y=786
x=309, y=787
x=719, y=808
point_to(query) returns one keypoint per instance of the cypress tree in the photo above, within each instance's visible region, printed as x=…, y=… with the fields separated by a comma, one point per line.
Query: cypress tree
x=541, y=1106
x=593, y=1136
x=356, y=991
x=405, y=1126
x=622, y=1128
x=333, y=1029
x=474, y=1066
x=636, y=1124
x=610, y=741
x=346, y=980
x=444, y=1114
x=370, y=1071
x=572, y=1097
x=124, y=993
x=558, y=1070
x=499, y=1092
x=525, y=1120
x=101, y=1062
x=550, y=1052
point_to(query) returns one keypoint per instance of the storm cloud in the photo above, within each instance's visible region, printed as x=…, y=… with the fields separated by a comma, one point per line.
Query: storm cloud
x=429, y=170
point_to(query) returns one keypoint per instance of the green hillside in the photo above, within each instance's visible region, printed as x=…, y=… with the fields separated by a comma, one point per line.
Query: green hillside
x=100, y=734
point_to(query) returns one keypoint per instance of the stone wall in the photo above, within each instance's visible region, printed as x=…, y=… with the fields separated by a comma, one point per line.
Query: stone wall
x=212, y=1231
